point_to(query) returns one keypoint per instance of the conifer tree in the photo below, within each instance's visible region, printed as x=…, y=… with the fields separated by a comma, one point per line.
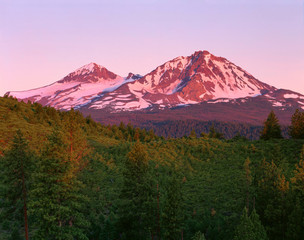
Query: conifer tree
x=250, y=228
x=271, y=199
x=258, y=229
x=295, y=228
x=271, y=128
x=77, y=148
x=198, y=236
x=192, y=134
x=136, y=198
x=56, y=202
x=248, y=180
x=16, y=171
x=151, y=134
x=172, y=214
x=214, y=134
x=244, y=230
x=296, y=130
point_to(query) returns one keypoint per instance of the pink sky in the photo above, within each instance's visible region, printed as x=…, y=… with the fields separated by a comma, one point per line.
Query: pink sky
x=42, y=41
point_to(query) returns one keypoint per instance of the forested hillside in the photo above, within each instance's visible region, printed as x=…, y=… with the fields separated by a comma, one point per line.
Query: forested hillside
x=182, y=128
x=64, y=176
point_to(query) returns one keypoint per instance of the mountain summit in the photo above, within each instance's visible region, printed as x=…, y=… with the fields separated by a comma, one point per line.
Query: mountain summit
x=185, y=80
x=199, y=78
x=75, y=90
x=89, y=73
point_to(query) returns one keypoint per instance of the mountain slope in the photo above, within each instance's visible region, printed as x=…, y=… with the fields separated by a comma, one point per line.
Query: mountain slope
x=76, y=89
x=201, y=87
x=185, y=80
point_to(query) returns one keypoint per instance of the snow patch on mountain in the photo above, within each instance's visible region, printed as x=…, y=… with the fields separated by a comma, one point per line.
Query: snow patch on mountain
x=293, y=96
x=86, y=69
x=201, y=77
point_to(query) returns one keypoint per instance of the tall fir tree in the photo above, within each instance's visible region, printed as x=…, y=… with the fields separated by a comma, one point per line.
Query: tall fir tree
x=77, y=147
x=250, y=228
x=272, y=192
x=136, y=216
x=16, y=173
x=244, y=231
x=296, y=130
x=192, y=134
x=198, y=236
x=248, y=181
x=271, y=128
x=295, y=228
x=258, y=228
x=214, y=134
x=56, y=202
x=172, y=213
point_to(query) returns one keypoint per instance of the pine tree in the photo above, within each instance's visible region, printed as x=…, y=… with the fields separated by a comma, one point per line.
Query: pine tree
x=296, y=130
x=295, y=228
x=271, y=128
x=258, y=229
x=198, y=236
x=16, y=171
x=250, y=228
x=136, y=198
x=244, y=230
x=56, y=202
x=271, y=199
x=77, y=147
x=214, y=134
x=172, y=214
x=248, y=180
x=192, y=134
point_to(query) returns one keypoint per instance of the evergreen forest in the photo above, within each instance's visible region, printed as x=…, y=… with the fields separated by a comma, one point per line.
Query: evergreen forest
x=64, y=176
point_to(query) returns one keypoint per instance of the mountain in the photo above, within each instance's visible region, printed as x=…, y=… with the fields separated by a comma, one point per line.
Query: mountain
x=76, y=89
x=184, y=80
x=201, y=87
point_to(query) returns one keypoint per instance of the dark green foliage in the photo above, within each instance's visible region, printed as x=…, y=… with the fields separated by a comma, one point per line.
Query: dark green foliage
x=198, y=236
x=56, y=202
x=271, y=201
x=295, y=228
x=172, y=214
x=244, y=231
x=258, y=228
x=136, y=198
x=180, y=128
x=16, y=169
x=214, y=134
x=192, y=134
x=250, y=228
x=85, y=185
x=296, y=129
x=271, y=128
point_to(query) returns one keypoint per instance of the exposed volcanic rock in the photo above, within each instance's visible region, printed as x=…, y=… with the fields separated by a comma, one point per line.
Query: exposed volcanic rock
x=133, y=76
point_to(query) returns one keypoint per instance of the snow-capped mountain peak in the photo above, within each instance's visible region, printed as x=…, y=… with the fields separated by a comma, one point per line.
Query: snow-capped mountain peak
x=200, y=77
x=91, y=72
x=88, y=68
x=184, y=80
x=76, y=89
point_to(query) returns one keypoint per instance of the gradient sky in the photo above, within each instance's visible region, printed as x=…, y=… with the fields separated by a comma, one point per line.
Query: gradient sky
x=41, y=41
